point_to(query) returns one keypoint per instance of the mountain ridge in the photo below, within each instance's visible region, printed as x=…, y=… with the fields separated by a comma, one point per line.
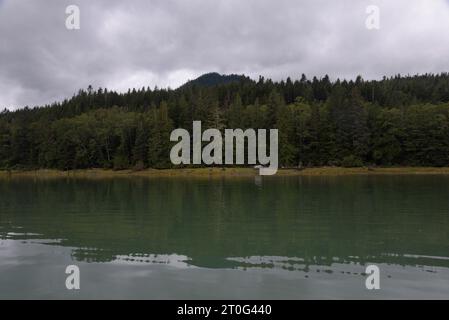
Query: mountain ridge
x=211, y=79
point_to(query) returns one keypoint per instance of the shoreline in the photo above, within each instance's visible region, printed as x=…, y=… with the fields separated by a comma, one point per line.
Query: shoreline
x=220, y=172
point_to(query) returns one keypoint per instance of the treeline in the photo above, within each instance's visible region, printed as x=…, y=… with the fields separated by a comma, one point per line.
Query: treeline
x=395, y=121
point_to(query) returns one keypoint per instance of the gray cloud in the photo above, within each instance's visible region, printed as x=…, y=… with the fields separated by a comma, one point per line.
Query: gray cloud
x=166, y=42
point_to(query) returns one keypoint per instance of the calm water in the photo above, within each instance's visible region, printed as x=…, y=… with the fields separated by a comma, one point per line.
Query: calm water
x=294, y=238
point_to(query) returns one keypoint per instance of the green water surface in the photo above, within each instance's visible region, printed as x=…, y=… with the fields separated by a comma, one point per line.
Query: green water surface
x=225, y=238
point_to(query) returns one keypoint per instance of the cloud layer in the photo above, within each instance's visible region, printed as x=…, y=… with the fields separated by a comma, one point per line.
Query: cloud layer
x=123, y=44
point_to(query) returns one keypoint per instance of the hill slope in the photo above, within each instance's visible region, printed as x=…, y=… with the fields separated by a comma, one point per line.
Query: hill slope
x=214, y=79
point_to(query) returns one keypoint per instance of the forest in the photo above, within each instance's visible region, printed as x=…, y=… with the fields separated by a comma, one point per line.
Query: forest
x=395, y=121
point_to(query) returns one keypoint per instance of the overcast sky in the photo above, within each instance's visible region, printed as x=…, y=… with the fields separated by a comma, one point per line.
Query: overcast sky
x=126, y=44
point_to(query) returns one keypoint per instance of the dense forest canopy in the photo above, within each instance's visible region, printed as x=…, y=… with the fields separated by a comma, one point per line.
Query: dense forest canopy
x=394, y=121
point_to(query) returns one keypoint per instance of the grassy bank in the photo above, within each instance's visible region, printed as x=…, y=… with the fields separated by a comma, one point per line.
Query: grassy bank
x=219, y=172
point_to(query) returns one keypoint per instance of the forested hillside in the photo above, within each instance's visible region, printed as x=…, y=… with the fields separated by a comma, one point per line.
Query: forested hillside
x=395, y=121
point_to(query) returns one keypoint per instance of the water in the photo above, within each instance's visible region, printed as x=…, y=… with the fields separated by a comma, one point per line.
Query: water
x=234, y=238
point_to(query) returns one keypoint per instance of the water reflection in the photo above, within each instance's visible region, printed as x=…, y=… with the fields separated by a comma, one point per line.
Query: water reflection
x=289, y=224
